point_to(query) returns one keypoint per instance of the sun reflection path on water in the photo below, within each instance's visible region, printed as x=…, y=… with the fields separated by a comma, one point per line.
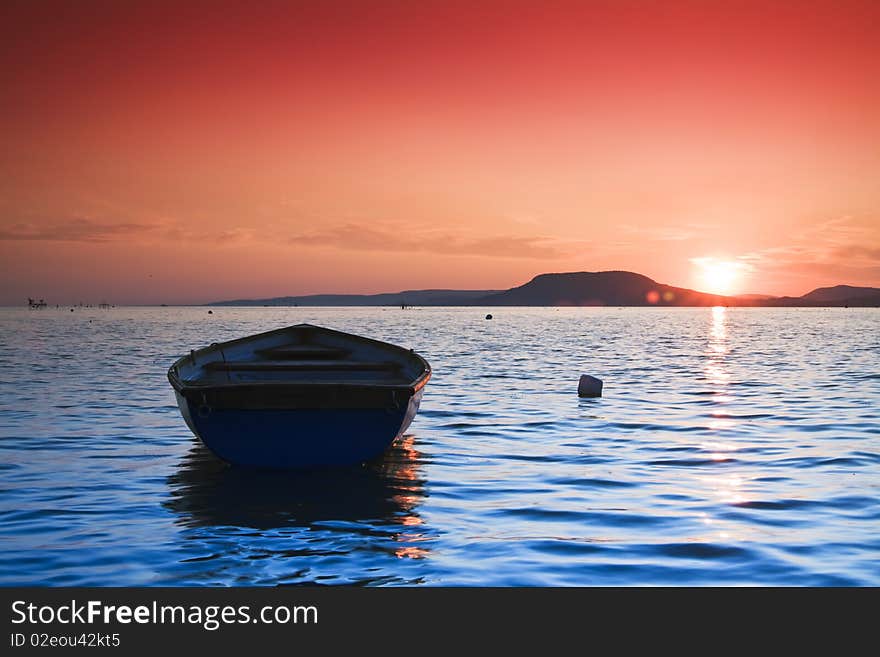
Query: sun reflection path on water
x=727, y=488
x=716, y=369
x=409, y=497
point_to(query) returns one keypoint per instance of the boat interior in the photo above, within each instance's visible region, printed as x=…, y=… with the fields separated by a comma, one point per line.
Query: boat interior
x=301, y=354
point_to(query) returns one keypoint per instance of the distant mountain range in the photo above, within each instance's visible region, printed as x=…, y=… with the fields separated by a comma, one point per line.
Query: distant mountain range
x=408, y=297
x=605, y=288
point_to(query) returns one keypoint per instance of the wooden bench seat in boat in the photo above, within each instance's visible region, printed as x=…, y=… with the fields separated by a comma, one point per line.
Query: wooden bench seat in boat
x=301, y=365
x=304, y=351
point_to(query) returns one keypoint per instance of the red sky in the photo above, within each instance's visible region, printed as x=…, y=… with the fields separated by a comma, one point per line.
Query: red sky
x=187, y=152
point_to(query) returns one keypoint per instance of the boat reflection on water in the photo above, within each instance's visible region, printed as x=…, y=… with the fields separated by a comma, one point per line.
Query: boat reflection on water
x=380, y=493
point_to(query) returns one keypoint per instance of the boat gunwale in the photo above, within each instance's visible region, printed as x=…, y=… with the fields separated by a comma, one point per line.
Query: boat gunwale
x=182, y=386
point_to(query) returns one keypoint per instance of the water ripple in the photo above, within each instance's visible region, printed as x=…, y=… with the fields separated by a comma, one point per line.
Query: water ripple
x=731, y=447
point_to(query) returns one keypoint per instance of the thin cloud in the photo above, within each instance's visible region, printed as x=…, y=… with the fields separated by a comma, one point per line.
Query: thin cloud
x=840, y=248
x=234, y=236
x=90, y=231
x=74, y=230
x=859, y=253
x=671, y=233
x=407, y=238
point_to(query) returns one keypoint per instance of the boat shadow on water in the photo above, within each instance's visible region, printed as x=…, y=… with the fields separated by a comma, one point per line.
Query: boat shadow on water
x=383, y=492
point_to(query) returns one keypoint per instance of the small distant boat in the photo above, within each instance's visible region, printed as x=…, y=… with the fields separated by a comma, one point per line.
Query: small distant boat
x=298, y=397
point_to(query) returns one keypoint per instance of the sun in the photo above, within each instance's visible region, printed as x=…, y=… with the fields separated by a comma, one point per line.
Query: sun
x=718, y=276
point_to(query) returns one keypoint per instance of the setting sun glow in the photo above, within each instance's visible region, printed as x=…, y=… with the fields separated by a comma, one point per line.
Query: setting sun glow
x=718, y=276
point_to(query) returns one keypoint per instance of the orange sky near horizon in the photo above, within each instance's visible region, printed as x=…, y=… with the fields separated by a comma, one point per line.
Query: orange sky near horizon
x=189, y=152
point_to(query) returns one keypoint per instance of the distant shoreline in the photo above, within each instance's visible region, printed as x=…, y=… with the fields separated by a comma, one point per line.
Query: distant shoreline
x=66, y=307
x=612, y=289
x=577, y=289
x=417, y=306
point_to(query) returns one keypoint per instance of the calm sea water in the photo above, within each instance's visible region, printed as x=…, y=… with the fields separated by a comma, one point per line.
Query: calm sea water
x=731, y=447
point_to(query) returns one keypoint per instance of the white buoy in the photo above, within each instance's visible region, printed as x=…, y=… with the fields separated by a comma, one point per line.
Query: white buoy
x=589, y=386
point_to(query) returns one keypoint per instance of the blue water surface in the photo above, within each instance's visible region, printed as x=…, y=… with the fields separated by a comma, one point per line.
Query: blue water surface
x=732, y=446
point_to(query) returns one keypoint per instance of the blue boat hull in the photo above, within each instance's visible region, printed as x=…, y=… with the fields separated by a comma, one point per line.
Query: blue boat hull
x=298, y=438
x=301, y=396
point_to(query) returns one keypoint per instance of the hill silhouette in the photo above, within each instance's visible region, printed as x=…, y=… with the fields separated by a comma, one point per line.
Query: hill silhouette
x=604, y=288
x=840, y=293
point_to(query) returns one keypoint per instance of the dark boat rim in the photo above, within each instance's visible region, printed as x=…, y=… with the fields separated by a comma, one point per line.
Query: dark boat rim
x=411, y=388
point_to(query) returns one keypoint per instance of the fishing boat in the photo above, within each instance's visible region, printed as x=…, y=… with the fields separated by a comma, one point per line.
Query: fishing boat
x=298, y=397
